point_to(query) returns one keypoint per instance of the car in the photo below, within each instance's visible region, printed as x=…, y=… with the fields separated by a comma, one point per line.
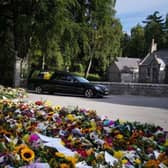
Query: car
x=64, y=82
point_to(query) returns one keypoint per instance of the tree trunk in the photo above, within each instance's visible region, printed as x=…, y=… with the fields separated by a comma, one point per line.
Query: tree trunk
x=16, y=66
x=17, y=70
x=88, y=68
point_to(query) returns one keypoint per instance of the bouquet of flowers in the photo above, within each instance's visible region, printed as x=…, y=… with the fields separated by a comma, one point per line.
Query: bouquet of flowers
x=12, y=93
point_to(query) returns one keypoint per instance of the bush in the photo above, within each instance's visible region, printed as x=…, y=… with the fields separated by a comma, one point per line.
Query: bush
x=78, y=74
x=77, y=68
x=91, y=77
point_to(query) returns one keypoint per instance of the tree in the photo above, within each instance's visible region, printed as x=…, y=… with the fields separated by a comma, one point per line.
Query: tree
x=165, y=31
x=99, y=34
x=137, y=42
x=60, y=33
x=125, y=43
x=16, y=17
x=154, y=29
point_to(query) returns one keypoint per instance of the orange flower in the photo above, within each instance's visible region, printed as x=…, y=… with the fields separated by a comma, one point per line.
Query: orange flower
x=20, y=147
x=73, y=160
x=107, y=146
x=89, y=151
x=151, y=164
x=163, y=158
x=64, y=165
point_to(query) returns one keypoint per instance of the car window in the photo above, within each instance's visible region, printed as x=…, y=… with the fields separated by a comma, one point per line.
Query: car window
x=81, y=79
x=61, y=77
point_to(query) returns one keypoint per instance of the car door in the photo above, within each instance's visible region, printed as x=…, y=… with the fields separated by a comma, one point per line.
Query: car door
x=57, y=83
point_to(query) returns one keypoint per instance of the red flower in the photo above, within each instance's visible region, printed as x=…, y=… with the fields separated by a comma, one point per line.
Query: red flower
x=82, y=152
x=39, y=103
x=23, y=106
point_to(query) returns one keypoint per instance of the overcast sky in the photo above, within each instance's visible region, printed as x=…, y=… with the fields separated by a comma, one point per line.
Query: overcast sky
x=132, y=12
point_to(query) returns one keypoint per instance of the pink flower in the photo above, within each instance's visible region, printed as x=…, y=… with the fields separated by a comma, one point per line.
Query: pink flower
x=33, y=138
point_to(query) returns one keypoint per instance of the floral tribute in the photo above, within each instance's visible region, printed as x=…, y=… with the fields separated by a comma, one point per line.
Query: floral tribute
x=38, y=135
x=12, y=93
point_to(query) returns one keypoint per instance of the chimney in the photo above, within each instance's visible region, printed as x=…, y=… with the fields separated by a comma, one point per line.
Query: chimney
x=153, y=46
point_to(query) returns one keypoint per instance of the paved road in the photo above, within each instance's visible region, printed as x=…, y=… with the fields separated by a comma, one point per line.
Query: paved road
x=152, y=110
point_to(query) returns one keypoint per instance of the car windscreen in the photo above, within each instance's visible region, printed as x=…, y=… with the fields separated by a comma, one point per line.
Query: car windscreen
x=81, y=79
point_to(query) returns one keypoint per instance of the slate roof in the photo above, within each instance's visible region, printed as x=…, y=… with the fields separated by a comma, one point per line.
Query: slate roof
x=127, y=64
x=160, y=54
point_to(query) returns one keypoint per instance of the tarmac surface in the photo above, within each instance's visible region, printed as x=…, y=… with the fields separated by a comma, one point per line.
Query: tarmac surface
x=153, y=110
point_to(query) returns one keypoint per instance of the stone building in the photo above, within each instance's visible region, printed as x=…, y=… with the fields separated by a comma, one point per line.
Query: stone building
x=154, y=67
x=124, y=70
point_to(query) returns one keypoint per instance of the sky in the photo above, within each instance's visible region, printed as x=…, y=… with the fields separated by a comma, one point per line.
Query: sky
x=132, y=12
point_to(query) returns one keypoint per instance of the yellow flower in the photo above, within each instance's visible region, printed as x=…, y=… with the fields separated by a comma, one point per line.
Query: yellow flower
x=59, y=154
x=26, y=138
x=119, y=136
x=137, y=161
x=124, y=161
x=57, y=108
x=118, y=154
x=70, y=137
x=70, y=117
x=166, y=143
x=48, y=103
x=50, y=113
x=19, y=126
x=93, y=125
x=64, y=165
x=27, y=154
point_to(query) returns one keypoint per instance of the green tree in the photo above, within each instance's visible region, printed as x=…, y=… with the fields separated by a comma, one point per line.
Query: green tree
x=137, y=42
x=51, y=22
x=125, y=43
x=98, y=39
x=15, y=16
x=59, y=34
x=165, y=36
x=154, y=29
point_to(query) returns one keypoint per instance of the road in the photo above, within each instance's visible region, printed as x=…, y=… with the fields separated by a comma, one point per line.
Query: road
x=153, y=110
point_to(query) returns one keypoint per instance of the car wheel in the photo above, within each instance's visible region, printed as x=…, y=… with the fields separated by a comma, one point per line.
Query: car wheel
x=38, y=89
x=88, y=93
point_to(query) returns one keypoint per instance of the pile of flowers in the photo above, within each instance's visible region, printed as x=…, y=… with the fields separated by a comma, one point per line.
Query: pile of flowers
x=12, y=93
x=40, y=135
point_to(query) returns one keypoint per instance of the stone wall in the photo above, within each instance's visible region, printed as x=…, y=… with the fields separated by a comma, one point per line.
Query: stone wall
x=145, y=89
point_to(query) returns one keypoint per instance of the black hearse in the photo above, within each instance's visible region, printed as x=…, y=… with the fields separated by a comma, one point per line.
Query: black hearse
x=64, y=82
